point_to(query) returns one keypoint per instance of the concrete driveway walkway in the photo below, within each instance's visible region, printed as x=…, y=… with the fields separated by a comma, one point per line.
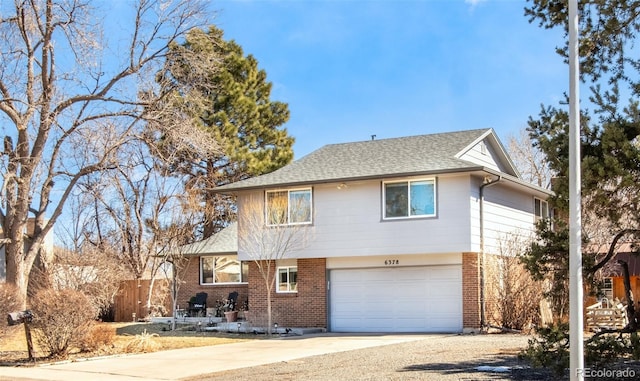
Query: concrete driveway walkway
x=189, y=362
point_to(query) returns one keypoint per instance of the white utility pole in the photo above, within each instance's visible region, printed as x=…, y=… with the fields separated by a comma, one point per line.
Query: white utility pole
x=576, y=323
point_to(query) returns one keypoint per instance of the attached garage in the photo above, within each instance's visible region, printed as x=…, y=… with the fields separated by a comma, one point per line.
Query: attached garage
x=396, y=299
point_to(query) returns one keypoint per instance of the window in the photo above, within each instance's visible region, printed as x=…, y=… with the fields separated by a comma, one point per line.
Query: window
x=607, y=289
x=541, y=209
x=222, y=269
x=289, y=207
x=415, y=198
x=287, y=279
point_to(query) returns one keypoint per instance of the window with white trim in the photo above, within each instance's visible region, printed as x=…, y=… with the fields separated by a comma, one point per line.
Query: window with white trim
x=288, y=207
x=288, y=279
x=412, y=198
x=223, y=269
x=607, y=289
x=540, y=209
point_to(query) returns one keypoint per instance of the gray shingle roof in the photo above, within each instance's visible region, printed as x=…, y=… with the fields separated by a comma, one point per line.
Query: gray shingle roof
x=434, y=153
x=223, y=242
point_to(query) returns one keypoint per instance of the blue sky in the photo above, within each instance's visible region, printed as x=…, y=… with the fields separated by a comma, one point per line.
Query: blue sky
x=351, y=69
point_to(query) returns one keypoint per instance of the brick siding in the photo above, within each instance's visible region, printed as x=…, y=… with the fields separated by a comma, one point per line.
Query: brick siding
x=305, y=308
x=192, y=285
x=470, y=291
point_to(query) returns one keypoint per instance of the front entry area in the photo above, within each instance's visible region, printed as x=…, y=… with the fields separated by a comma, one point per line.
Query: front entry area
x=396, y=299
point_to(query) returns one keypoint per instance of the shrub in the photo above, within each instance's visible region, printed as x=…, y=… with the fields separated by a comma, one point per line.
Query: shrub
x=99, y=336
x=550, y=349
x=142, y=343
x=61, y=320
x=513, y=296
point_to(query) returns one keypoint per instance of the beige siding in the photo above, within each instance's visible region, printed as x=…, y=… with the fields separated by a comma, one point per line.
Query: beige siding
x=348, y=222
x=507, y=212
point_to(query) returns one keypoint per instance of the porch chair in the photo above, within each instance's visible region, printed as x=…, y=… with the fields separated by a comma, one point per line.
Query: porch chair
x=232, y=300
x=198, y=304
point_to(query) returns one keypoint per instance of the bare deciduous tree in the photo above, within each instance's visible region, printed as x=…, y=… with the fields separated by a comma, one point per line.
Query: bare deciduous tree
x=95, y=273
x=173, y=254
x=513, y=296
x=530, y=162
x=266, y=236
x=72, y=94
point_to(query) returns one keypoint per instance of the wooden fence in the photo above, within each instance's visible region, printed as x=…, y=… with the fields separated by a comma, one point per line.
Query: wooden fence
x=605, y=315
x=130, y=302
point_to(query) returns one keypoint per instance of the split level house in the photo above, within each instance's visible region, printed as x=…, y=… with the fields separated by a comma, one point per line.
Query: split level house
x=398, y=229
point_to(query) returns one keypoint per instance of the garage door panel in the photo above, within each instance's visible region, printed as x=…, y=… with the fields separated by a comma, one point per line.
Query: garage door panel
x=400, y=299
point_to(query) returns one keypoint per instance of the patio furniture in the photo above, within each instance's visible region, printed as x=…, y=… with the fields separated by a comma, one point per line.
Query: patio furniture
x=232, y=300
x=198, y=304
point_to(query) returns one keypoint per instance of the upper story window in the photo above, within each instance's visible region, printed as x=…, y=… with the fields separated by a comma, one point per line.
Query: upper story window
x=222, y=269
x=414, y=198
x=289, y=207
x=540, y=209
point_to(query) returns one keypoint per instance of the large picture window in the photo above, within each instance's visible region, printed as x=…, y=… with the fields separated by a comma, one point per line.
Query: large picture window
x=222, y=269
x=289, y=207
x=403, y=199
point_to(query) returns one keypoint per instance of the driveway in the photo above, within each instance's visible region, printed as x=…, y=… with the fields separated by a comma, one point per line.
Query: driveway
x=309, y=357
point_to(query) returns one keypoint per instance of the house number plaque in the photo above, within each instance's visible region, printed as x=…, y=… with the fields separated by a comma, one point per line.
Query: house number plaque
x=391, y=262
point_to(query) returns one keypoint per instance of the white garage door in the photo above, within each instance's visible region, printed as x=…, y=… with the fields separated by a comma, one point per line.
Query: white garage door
x=396, y=299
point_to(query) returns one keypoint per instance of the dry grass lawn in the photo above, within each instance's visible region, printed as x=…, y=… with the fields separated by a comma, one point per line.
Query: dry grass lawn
x=125, y=337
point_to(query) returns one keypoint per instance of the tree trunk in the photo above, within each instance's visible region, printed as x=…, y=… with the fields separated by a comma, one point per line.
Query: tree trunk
x=18, y=270
x=269, y=315
x=631, y=310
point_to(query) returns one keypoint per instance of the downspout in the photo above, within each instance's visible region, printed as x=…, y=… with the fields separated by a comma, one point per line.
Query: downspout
x=486, y=182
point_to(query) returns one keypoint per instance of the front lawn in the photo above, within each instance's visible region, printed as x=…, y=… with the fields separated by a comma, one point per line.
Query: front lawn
x=125, y=338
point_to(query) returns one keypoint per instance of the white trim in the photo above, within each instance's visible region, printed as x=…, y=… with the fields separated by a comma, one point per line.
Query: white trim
x=543, y=203
x=402, y=260
x=214, y=283
x=289, y=190
x=288, y=268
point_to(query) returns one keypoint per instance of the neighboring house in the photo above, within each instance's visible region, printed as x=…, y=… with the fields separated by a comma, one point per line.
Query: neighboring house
x=46, y=252
x=213, y=267
x=613, y=281
x=399, y=229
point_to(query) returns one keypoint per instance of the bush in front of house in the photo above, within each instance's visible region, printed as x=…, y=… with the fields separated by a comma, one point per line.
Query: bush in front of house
x=98, y=336
x=61, y=320
x=550, y=349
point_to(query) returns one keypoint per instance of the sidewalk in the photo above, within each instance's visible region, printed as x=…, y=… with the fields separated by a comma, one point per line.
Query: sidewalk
x=183, y=363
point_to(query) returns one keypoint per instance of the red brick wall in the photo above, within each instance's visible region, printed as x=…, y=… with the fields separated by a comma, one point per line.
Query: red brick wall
x=306, y=308
x=470, y=291
x=191, y=286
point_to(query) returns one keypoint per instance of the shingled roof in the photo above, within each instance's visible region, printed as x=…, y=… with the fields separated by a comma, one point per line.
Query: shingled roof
x=422, y=154
x=223, y=242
